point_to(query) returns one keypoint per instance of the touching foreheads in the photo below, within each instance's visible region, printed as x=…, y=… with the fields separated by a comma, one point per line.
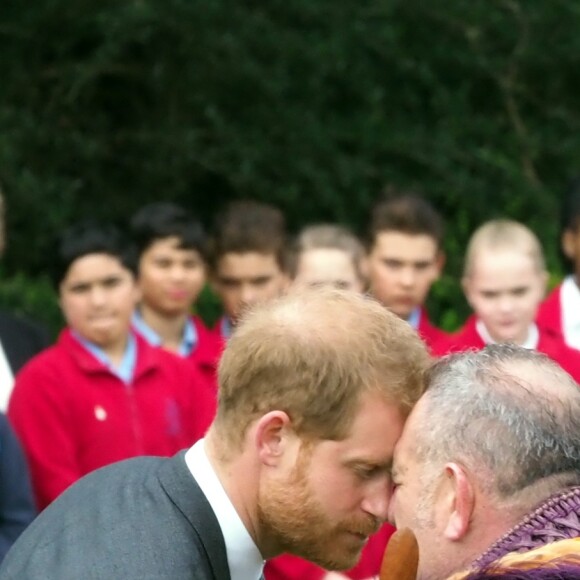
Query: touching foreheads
x=311, y=354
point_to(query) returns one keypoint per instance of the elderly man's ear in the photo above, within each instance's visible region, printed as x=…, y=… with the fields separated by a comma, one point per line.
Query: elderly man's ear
x=457, y=502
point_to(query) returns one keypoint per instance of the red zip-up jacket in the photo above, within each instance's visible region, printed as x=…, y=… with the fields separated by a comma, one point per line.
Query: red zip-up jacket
x=430, y=334
x=207, y=353
x=73, y=415
x=550, y=314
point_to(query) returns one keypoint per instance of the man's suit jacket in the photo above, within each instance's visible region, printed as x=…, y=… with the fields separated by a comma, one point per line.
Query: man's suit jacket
x=21, y=339
x=141, y=519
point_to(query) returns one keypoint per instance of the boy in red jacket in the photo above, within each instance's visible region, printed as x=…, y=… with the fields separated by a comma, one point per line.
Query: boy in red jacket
x=560, y=312
x=248, y=259
x=405, y=258
x=172, y=250
x=101, y=393
x=504, y=282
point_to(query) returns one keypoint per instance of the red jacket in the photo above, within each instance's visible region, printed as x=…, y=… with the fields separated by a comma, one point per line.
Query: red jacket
x=550, y=314
x=206, y=354
x=430, y=334
x=467, y=338
x=288, y=567
x=73, y=415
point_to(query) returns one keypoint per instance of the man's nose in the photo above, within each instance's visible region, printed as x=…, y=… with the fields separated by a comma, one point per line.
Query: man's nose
x=407, y=277
x=98, y=296
x=377, y=500
x=248, y=294
x=177, y=273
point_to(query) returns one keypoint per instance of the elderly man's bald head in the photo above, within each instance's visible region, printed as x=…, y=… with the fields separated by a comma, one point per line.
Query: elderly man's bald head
x=312, y=353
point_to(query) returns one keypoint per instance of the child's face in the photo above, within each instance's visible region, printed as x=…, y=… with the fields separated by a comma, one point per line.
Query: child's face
x=170, y=277
x=244, y=279
x=402, y=268
x=97, y=297
x=327, y=267
x=505, y=289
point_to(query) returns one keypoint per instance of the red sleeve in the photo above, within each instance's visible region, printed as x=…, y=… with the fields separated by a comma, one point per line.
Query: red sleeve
x=40, y=414
x=203, y=402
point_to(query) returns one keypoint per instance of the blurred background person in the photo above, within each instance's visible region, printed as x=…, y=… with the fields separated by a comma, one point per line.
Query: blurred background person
x=20, y=338
x=329, y=255
x=504, y=282
x=101, y=393
x=171, y=273
x=560, y=312
x=248, y=259
x=17, y=507
x=405, y=258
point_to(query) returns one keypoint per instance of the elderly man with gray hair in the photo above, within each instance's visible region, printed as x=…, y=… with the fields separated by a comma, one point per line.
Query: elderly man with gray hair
x=487, y=472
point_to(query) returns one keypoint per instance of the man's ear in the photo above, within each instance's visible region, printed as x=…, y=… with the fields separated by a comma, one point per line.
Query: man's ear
x=272, y=436
x=459, y=502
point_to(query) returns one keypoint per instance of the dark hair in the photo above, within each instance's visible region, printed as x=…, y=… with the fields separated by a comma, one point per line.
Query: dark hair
x=90, y=237
x=157, y=221
x=250, y=226
x=405, y=212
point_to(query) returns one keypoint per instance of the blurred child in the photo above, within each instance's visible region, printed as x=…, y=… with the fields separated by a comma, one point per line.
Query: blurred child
x=171, y=245
x=560, y=312
x=504, y=282
x=101, y=393
x=405, y=258
x=248, y=259
x=329, y=254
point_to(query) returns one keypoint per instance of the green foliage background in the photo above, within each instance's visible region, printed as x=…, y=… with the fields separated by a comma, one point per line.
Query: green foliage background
x=314, y=105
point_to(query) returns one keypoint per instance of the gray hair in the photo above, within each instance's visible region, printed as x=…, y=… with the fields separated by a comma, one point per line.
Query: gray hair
x=506, y=411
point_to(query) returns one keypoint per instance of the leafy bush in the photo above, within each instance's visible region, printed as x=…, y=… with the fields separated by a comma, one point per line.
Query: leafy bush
x=312, y=105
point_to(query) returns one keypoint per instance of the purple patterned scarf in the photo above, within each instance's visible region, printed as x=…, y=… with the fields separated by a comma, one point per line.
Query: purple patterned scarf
x=558, y=518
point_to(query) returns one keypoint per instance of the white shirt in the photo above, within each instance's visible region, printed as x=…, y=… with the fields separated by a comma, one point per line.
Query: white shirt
x=244, y=558
x=570, y=303
x=531, y=341
x=6, y=380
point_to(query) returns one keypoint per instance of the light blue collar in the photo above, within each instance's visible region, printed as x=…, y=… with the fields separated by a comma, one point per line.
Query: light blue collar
x=126, y=369
x=189, y=338
x=226, y=327
x=415, y=318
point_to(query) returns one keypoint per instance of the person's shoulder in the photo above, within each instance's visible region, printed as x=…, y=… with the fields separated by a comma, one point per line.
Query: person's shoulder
x=549, y=314
x=24, y=325
x=568, y=358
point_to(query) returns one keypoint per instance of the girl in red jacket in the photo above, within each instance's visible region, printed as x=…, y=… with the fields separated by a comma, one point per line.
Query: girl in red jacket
x=504, y=282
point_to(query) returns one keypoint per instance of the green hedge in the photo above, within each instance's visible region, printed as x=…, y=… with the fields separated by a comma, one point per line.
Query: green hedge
x=313, y=105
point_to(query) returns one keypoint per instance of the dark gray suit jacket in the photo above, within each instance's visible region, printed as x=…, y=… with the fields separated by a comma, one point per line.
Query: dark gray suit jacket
x=140, y=519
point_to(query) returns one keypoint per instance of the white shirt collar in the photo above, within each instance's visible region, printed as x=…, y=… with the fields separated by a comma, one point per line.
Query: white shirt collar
x=6, y=380
x=244, y=558
x=570, y=305
x=531, y=341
